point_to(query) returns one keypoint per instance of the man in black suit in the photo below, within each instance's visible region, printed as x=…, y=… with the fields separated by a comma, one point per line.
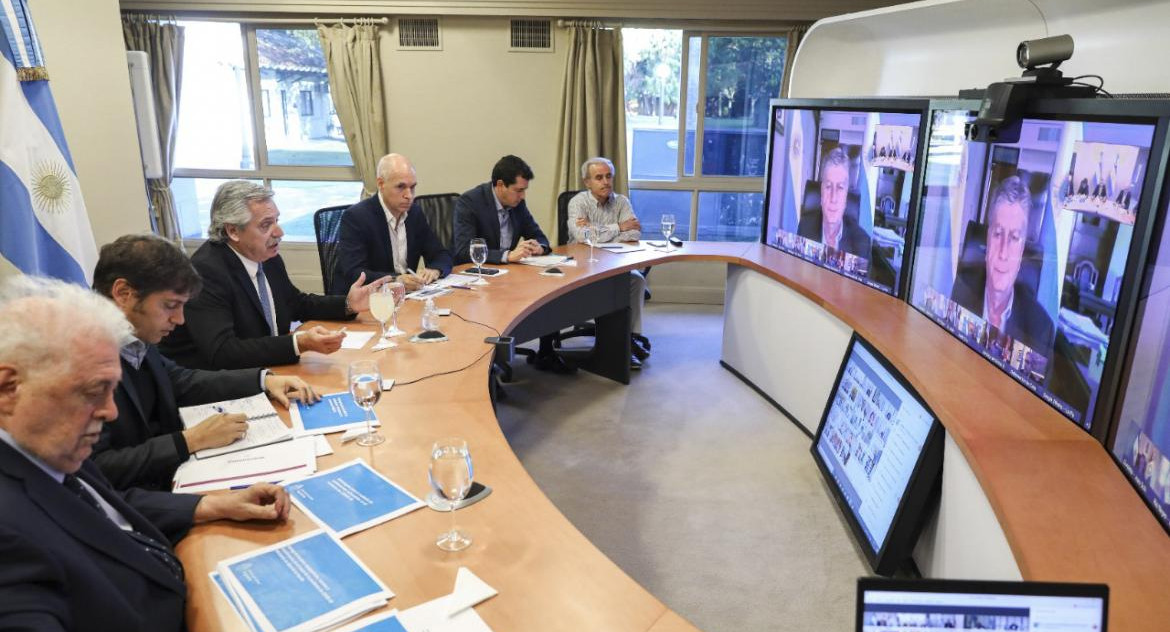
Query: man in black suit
x=385, y=234
x=992, y=291
x=78, y=555
x=241, y=318
x=150, y=280
x=830, y=224
x=497, y=213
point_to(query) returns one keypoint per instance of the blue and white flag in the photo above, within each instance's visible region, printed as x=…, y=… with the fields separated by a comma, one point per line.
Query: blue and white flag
x=44, y=228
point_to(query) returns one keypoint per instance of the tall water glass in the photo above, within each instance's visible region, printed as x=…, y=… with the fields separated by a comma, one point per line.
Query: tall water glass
x=365, y=384
x=382, y=307
x=588, y=233
x=450, y=475
x=479, y=253
x=667, y=227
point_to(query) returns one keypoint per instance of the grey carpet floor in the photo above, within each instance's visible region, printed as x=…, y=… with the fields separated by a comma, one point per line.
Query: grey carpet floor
x=691, y=482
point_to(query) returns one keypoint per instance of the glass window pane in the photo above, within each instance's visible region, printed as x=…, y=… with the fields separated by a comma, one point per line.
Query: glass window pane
x=299, y=199
x=743, y=73
x=728, y=216
x=653, y=68
x=300, y=124
x=694, y=57
x=193, y=203
x=650, y=205
x=215, y=114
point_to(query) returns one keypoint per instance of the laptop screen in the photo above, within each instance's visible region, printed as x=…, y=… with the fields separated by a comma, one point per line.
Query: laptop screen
x=930, y=605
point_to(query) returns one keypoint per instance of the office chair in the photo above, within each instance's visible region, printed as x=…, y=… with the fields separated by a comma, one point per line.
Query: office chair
x=439, y=209
x=327, y=224
x=587, y=329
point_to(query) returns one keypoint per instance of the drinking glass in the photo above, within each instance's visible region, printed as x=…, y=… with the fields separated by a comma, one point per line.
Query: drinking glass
x=667, y=227
x=382, y=306
x=587, y=233
x=398, y=291
x=365, y=384
x=450, y=475
x=479, y=252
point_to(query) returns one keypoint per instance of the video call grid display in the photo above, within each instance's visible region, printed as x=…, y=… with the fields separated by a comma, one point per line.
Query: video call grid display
x=1141, y=444
x=839, y=189
x=1022, y=247
x=898, y=611
x=871, y=442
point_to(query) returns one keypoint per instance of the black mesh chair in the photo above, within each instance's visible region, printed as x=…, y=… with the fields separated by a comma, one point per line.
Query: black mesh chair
x=327, y=224
x=439, y=209
x=562, y=239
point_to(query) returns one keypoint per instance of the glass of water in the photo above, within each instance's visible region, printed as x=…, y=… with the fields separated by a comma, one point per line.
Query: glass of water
x=382, y=306
x=588, y=234
x=450, y=475
x=365, y=384
x=667, y=227
x=479, y=252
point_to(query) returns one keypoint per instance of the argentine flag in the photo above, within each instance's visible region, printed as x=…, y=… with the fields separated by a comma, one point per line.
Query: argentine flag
x=44, y=228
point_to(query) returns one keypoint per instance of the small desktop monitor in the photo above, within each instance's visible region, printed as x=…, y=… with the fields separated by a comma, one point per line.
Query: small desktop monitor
x=841, y=179
x=937, y=605
x=880, y=450
x=1025, y=249
x=1141, y=440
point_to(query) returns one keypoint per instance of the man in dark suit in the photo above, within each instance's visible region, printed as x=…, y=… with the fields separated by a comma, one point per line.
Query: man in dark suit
x=78, y=555
x=241, y=318
x=150, y=280
x=497, y=213
x=830, y=224
x=385, y=234
x=992, y=291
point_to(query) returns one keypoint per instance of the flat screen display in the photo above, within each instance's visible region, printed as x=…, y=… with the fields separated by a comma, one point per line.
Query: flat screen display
x=938, y=605
x=876, y=446
x=1141, y=444
x=1022, y=247
x=840, y=183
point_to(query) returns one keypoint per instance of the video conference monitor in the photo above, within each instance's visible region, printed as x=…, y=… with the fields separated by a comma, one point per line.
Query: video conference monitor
x=880, y=450
x=1141, y=441
x=841, y=182
x=1025, y=248
x=936, y=605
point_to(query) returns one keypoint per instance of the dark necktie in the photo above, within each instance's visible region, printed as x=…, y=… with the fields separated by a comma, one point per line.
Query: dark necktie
x=265, y=304
x=154, y=548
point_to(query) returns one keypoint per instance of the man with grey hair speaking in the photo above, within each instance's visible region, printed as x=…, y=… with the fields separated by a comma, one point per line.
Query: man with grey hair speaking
x=611, y=218
x=78, y=555
x=241, y=319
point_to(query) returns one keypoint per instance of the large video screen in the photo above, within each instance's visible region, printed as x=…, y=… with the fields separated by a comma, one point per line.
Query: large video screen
x=839, y=188
x=880, y=449
x=1023, y=246
x=1142, y=440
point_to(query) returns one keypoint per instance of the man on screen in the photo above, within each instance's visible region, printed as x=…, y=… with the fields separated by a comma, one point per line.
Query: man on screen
x=994, y=290
x=830, y=224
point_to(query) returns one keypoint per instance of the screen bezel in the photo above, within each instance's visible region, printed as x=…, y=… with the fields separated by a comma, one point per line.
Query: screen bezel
x=1136, y=111
x=921, y=488
x=863, y=106
x=982, y=587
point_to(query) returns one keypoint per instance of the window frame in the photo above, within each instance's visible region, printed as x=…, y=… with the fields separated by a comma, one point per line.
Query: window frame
x=699, y=183
x=263, y=170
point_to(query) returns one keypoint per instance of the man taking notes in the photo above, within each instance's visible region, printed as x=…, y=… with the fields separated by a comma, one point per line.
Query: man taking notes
x=241, y=318
x=78, y=555
x=150, y=280
x=496, y=212
x=611, y=217
x=386, y=234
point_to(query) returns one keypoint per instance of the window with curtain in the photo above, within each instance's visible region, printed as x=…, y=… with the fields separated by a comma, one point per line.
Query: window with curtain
x=697, y=127
x=255, y=105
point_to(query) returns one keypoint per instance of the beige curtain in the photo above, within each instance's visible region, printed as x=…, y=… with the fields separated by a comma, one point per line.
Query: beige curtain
x=355, y=79
x=593, y=113
x=795, y=35
x=162, y=41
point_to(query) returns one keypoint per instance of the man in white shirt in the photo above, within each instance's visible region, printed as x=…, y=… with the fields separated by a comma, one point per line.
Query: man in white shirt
x=610, y=218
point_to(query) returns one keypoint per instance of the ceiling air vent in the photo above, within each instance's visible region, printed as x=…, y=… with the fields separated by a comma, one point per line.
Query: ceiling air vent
x=419, y=34
x=531, y=36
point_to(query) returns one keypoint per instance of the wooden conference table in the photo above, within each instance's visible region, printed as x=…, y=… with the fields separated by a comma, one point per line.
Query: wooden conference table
x=1066, y=511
